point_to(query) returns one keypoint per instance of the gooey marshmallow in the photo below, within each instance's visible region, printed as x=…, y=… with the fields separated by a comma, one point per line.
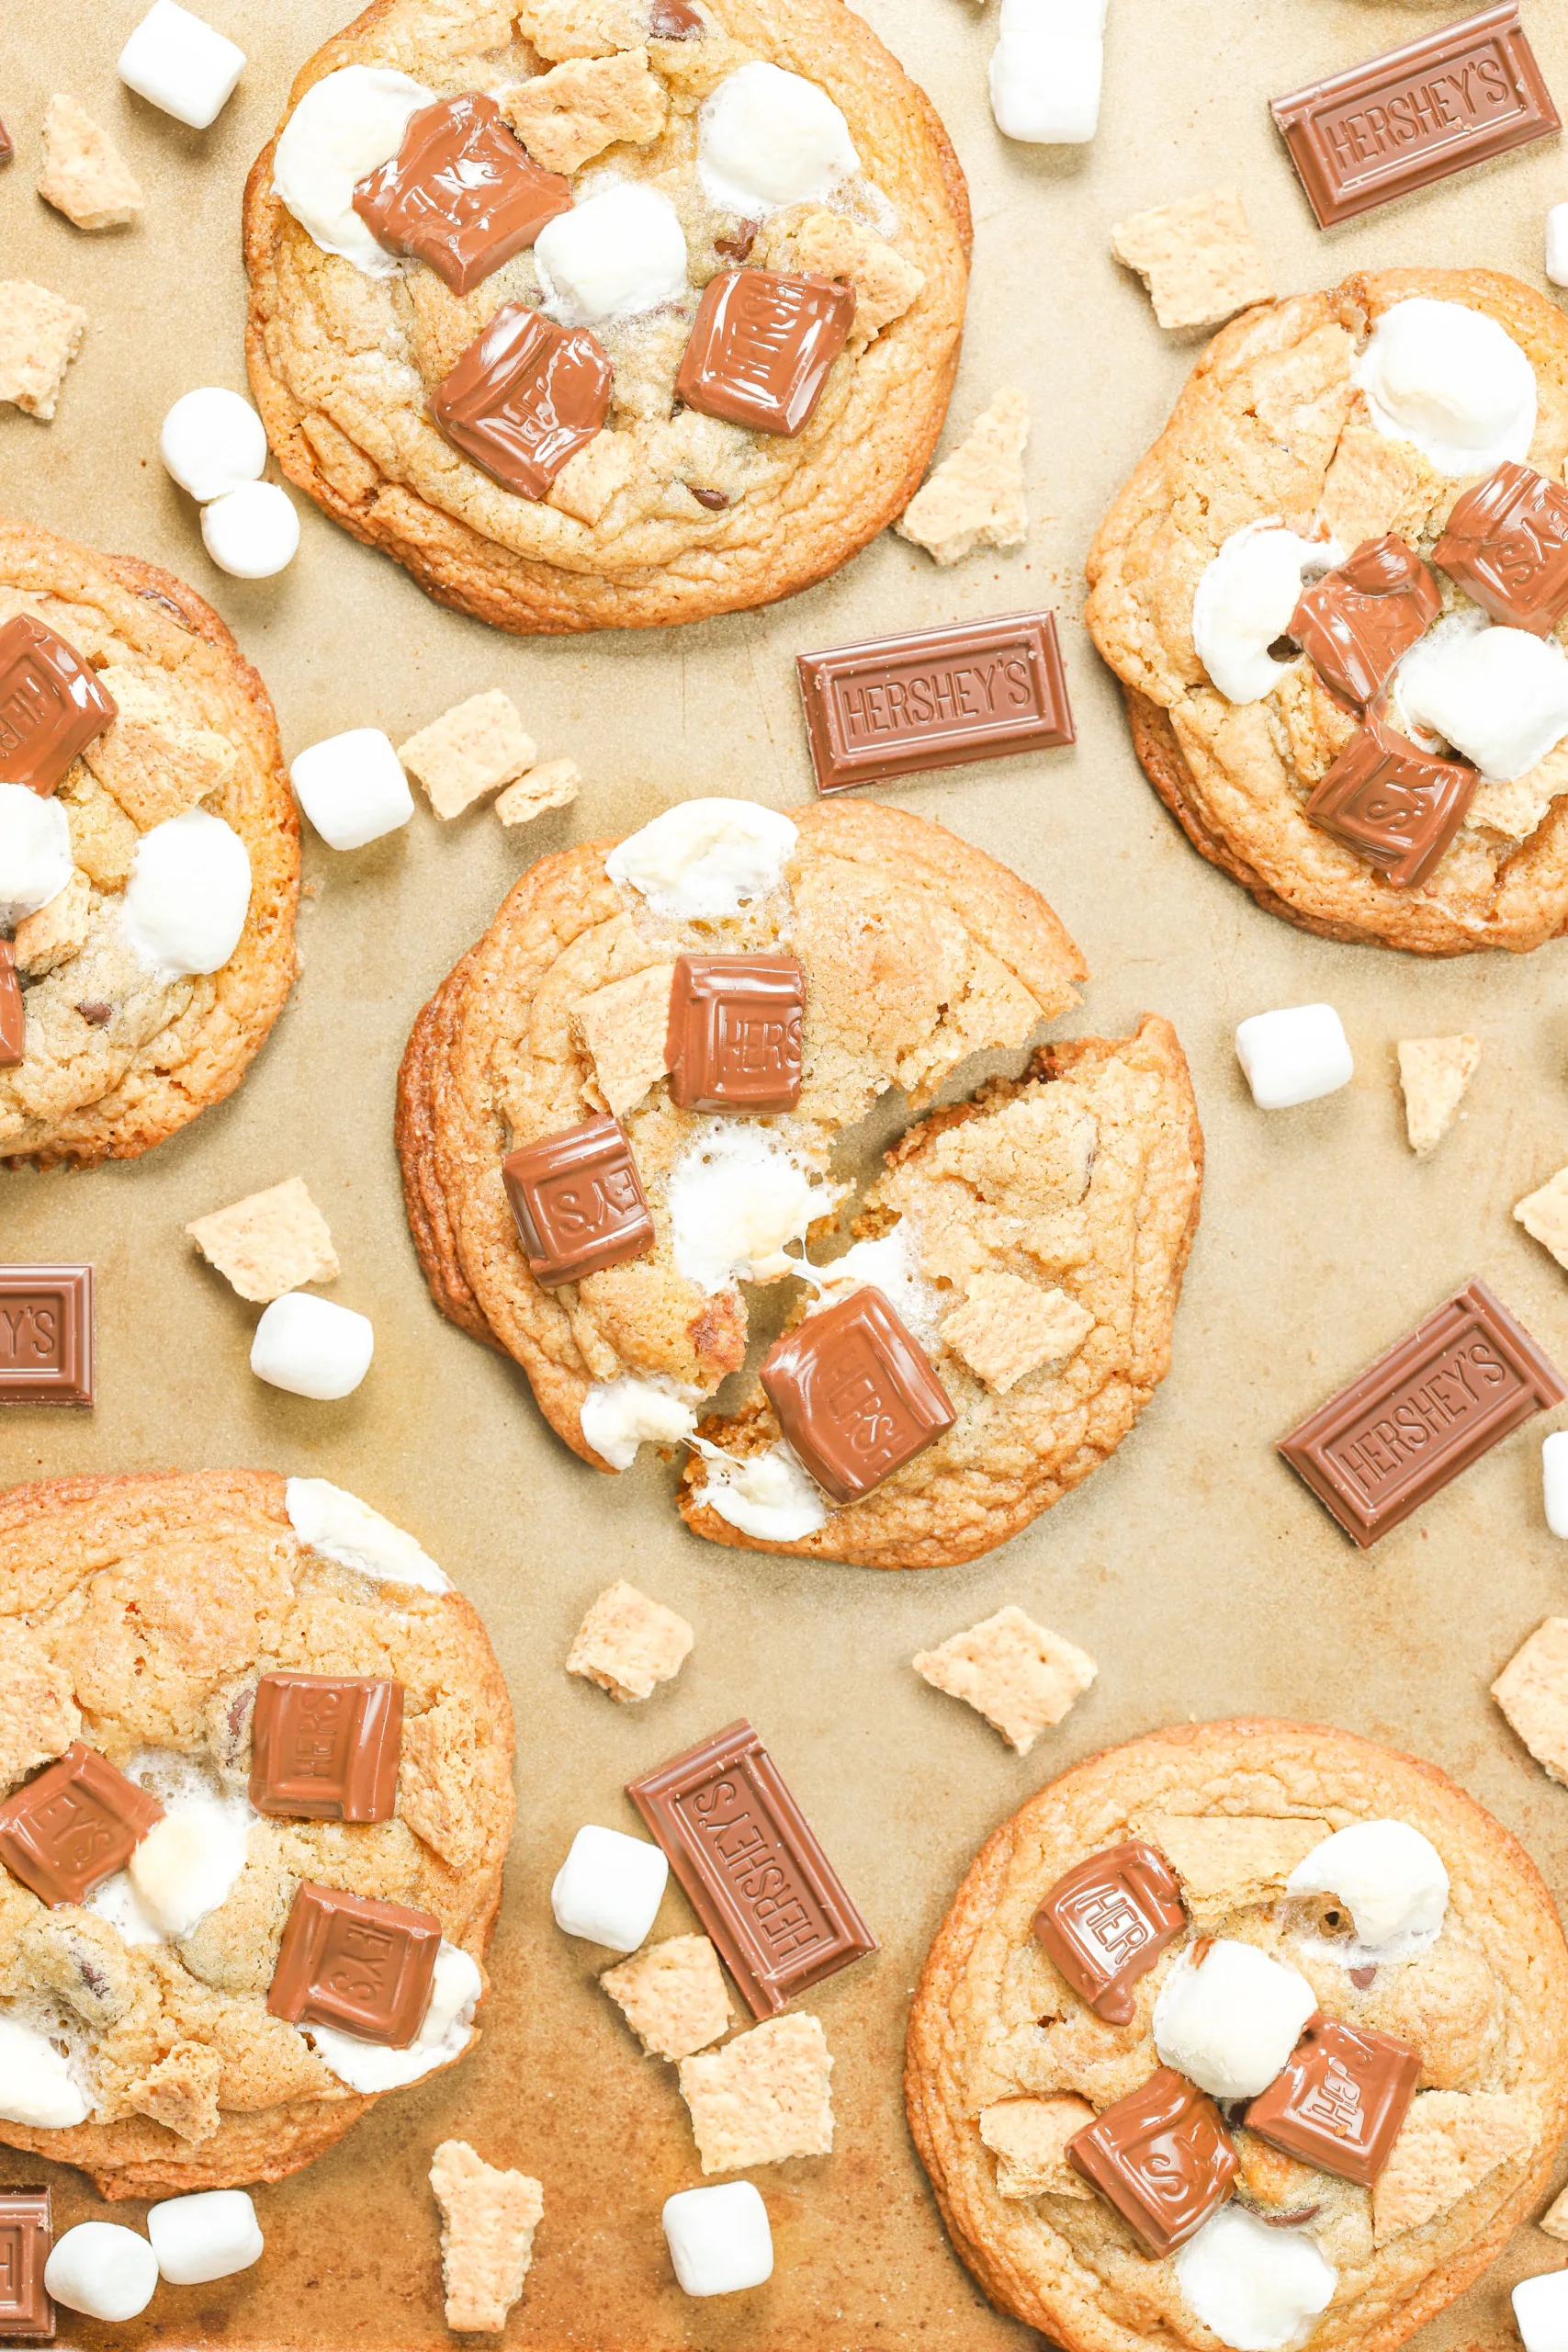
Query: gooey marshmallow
x=1229, y=2022
x=705, y=859
x=1245, y=602
x=887, y=1264
x=35, y=851
x=1046, y=70
x=188, y=894
x=767, y=137
x=443, y=2033
x=1554, y=1480
x=613, y=256
x=1540, y=2312
x=253, y=532
x=351, y=786
x=1452, y=381
x=338, y=1525
x=36, y=2084
x=1257, y=2287
x=718, y=2238
x=1499, y=696
x=209, y=2236
x=768, y=1496
x=179, y=63
x=1391, y=1881
x=1294, y=1054
x=346, y=125
x=609, y=1888
x=186, y=1863
x=737, y=1196
x=312, y=1348
x=102, y=2269
x=619, y=1415
x=211, y=441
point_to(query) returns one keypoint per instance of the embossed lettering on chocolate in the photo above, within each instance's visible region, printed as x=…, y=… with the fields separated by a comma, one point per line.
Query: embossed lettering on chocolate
x=524, y=397
x=74, y=1824
x=51, y=704
x=1506, y=544
x=1356, y=621
x=762, y=346
x=26, y=2240
x=856, y=1397
x=46, y=1335
x=461, y=193
x=326, y=1747
x=578, y=1202
x=734, y=1038
x=1106, y=1922
x=934, y=698
x=1162, y=2157
x=355, y=1963
x=1394, y=804
x=1340, y=2099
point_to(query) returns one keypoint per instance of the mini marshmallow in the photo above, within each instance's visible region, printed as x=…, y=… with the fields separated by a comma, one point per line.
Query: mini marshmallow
x=767, y=138
x=1258, y=2288
x=188, y=894
x=1293, y=1055
x=311, y=1348
x=103, y=2270
x=1452, y=381
x=768, y=1495
x=1557, y=244
x=351, y=786
x=184, y=1867
x=737, y=1196
x=1500, y=696
x=1229, y=2022
x=344, y=127
x=609, y=1888
x=211, y=441
x=251, y=532
x=1541, y=2304
x=1245, y=602
x=611, y=256
x=705, y=859
x=178, y=63
x=337, y=1524
x=1554, y=1480
x=35, y=851
x=1046, y=70
x=619, y=1415
x=208, y=2236
x=36, y=2084
x=1390, y=1879
x=718, y=2238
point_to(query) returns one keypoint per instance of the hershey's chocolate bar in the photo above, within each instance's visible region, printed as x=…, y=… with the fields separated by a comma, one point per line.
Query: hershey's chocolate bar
x=46, y=1334
x=26, y=2240
x=934, y=698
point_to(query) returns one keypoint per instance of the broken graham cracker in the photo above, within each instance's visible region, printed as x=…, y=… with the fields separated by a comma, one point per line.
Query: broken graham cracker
x=1197, y=258
x=624, y=1028
x=1554, y=2221
x=762, y=2098
x=39, y=1714
x=628, y=1642
x=1029, y=2137
x=154, y=760
x=552, y=784
x=1434, y=1073
x=488, y=2220
x=472, y=748
x=40, y=336
x=593, y=476
x=975, y=498
x=671, y=1996
x=83, y=174
x=181, y=2092
x=1007, y=1326
x=806, y=240
x=1532, y=1691
x=1448, y=2145
x=1231, y=1862
x=268, y=1243
x=57, y=931
x=1545, y=1215
x=1012, y=1671
x=583, y=105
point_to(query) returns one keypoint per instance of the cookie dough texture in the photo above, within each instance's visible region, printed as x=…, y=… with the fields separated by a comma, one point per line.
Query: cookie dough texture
x=1271, y=425
x=195, y=726
x=993, y=2025
x=341, y=364
x=147, y=1606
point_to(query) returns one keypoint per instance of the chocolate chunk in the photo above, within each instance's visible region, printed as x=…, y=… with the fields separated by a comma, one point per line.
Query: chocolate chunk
x=13, y=1017
x=934, y=698
x=523, y=398
x=26, y=2240
x=46, y=1335
x=761, y=347
x=1162, y=2156
x=351, y=1961
x=855, y=1396
x=1106, y=1922
x=1340, y=2099
x=673, y=20
x=578, y=1203
x=1427, y=1408
x=51, y=705
x=1392, y=803
x=715, y=501
x=461, y=193
x=734, y=1035
x=1409, y=118
x=73, y=1825
x=325, y=1747
x=96, y=1011
x=738, y=246
x=1363, y=1979
x=752, y=1867
x=1356, y=621
x=1506, y=544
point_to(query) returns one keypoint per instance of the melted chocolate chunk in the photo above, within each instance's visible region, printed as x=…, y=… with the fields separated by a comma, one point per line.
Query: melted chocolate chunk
x=761, y=347
x=13, y=1018
x=524, y=397
x=1340, y=2099
x=578, y=1202
x=1392, y=803
x=1162, y=2157
x=855, y=1396
x=1106, y=1922
x=1356, y=621
x=1506, y=544
x=461, y=193
x=51, y=704
x=715, y=501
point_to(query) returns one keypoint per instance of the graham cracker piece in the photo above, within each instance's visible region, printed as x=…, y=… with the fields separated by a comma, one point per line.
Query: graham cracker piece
x=58, y=930
x=40, y=336
x=181, y=2091
x=472, y=748
x=671, y=1996
x=153, y=759
x=1007, y=1326
x=1545, y=1215
x=1028, y=2137
x=1197, y=258
x=578, y=108
x=551, y=785
x=449, y=1776
x=1554, y=2221
x=623, y=1027
x=809, y=240
x=1374, y=485
x=39, y=1715
x=487, y=2221
x=762, y=2098
x=268, y=1243
x=583, y=27
x=628, y=1642
x=594, y=475
x=83, y=174
x=1229, y=1861
x=1434, y=1073
x=1532, y=1691
x=975, y=499
x=1448, y=2142
x=1012, y=1671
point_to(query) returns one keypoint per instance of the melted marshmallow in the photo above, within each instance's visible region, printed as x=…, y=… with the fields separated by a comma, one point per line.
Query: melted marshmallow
x=886, y=1264
x=611, y=256
x=186, y=1864
x=1245, y=602
x=1390, y=1879
x=736, y=1197
x=619, y=1415
x=1230, y=2021
x=337, y=1524
x=344, y=125
x=1452, y=381
x=1260, y=2288
x=768, y=1496
x=705, y=859
x=1499, y=696
x=767, y=138
x=189, y=892
x=444, y=2036
x=35, y=851
x=36, y=2084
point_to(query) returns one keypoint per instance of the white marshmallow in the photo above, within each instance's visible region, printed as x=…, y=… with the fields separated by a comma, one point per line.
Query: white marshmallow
x=352, y=787
x=1293, y=1055
x=1045, y=83
x=1390, y=1879
x=768, y=1496
x=186, y=1866
x=36, y=2084
x=619, y=1415
x=35, y=851
x=1257, y=2287
x=311, y=1348
x=1541, y=2304
x=609, y=1888
x=611, y=256
x=188, y=894
x=1499, y=696
x=737, y=1195
x=1230, y=2022
x=208, y=2236
x=886, y=1264
x=338, y=1525
x=1452, y=381
x=443, y=2036
x=1245, y=602
x=103, y=2270
x=705, y=859
x=253, y=532
x=1554, y=1480
x=1557, y=244
x=767, y=138
x=718, y=2238
x=211, y=441
x=179, y=63
x=344, y=127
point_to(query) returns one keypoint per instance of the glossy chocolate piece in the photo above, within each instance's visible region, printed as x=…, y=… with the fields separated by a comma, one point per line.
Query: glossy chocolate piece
x=1407, y=119
x=27, y=2241
x=73, y=1825
x=351, y=1961
x=672, y=20
x=761, y=347
x=855, y=1396
x=1106, y=1922
x=579, y=1202
x=1356, y=621
x=524, y=397
x=1394, y=804
x=12, y=1016
x=461, y=193
x=751, y=1867
x=934, y=698
x=1506, y=544
x=51, y=704
x=1162, y=2157
x=734, y=1035
x=325, y=1747
x=1340, y=2100
x=1424, y=1411
x=46, y=1335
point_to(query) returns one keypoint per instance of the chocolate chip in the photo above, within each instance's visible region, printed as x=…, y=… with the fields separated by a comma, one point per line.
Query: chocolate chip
x=736, y=247
x=1361, y=1978
x=1297, y=2219
x=1284, y=649
x=93, y=1010
x=715, y=500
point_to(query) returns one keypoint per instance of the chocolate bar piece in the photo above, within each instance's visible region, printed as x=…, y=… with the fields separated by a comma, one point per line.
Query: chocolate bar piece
x=579, y=1202
x=51, y=705
x=673, y=20
x=325, y=1747
x=854, y=1394
x=461, y=193
x=1162, y=2156
x=1392, y=803
x=1356, y=621
x=1506, y=544
x=13, y=1017
x=1423, y=1412
x=934, y=698
x=524, y=397
x=351, y=1961
x=762, y=346
x=46, y=1335
x=73, y=1825
x=734, y=1035
x=1340, y=2100
x=1106, y=1922
x=26, y=2240
x=1405, y=120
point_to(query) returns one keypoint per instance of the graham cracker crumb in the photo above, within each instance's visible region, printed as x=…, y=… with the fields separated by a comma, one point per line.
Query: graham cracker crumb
x=1532, y=1691
x=268, y=1243
x=1229, y=1861
x=1007, y=1326
x=1434, y=1073
x=40, y=336
x=58, y=930
x=580, y=107
x=671, y=1996
x=156, y=762
x=1554, y=2221
x=623, y=1029
x=1197, y=258
x=39, y=1715
x=488, y=2220
x=1545, y=1215
x=181, y=2091
x=583, y=27
x=551, y=785
x=1012, y=1671
x=1447, y=2144
x=1029, y=2137
x=810, y=241
x=975, y=499
x=448, y=1774
x=762, y=2098
x=84, y=174
x=472, y=748
x=594, y=475
x=628, y=1642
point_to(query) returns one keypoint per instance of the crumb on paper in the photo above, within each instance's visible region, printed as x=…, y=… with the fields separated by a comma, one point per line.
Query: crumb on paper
x=1197, y=258
x=583, y=105
x=1007, y=1326
x=809, y=240
x=1231, y=1862
x=552, y=784
x=181, y=2092
x=1545, y=1215
x=594, y=475
x=975, y=498
x=671, y=1996
x=1532, y=1691
x=57, y=931
x=472, y=748
x=40, y=336
x=488, y=2220
x=1554, y=2221
x=623, y=1029
x=1448, y=2145
x=1434, y=1073
x=268, y=1243
x=155, y=761
x=1029, y=2137
x=628, y=1642
x=39, y=1714
x=83, y=174
x=763, y=2098
x=1012, y=1671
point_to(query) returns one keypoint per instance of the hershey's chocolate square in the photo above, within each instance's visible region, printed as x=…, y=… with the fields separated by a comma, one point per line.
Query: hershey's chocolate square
x=578, y=1201
x=1162, y=2157
x=26, y=2240
x=351, y=1961
x=51, y=704
x=1392, y=803
x=1356, y=621
x=761, y=347
x=46, y=1335
x=326, y=1747
x=13, y=1013
x=524, y=397
x=734, y=1040
x=74, y=1824
x=854, y=1394
x=461, y=193
x=1106, y=1922
x=1340, y=2099
x=1506, y=544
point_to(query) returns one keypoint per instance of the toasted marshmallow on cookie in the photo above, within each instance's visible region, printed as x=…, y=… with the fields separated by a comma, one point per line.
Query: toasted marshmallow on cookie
x=767, y=138
x=338, y=1525
x=37, y=2086
x=35, y=851
x=613, y=256
x=188, y=894
x=1245, y=602
x=620, y=1415
x=344, y=127
x=1391, y=1881
x=1452, y=381
x=1499, y=696
x=705, y=859
x=443, y=2034
x=767, y=1496
x=1257, y=2287
x=1229, y=2021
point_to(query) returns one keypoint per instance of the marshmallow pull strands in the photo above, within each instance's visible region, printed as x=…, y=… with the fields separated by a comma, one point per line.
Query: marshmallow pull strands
x=35, y=851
